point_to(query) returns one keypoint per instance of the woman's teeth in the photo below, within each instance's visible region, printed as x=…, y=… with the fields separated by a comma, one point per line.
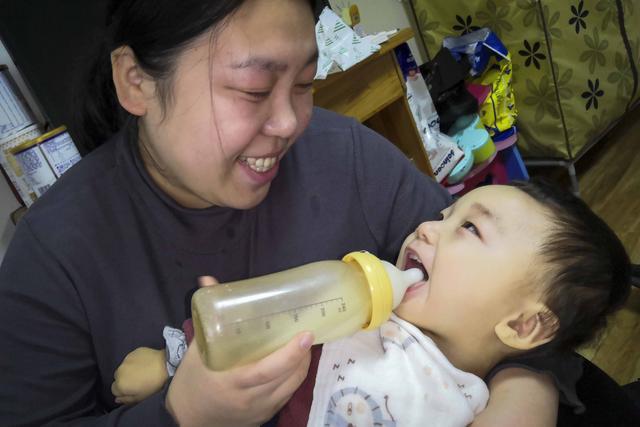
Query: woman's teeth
x=259, y=164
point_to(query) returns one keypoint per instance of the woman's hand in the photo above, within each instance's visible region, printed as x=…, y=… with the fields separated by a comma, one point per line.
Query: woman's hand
x=242, y=396
x=520, y=397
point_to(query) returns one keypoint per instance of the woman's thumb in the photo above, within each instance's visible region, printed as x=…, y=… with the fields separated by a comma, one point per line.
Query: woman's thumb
x=204, y=281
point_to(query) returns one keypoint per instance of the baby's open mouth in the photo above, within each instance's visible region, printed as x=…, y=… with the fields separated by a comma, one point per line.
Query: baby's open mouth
x=413, y=261
x=422, y=287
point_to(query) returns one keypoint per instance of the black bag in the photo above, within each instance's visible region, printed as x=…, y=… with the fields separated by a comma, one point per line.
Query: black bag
x=444, y=77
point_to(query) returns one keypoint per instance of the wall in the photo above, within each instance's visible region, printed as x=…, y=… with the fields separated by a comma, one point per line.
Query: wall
x=8, y=202
x=382, y=15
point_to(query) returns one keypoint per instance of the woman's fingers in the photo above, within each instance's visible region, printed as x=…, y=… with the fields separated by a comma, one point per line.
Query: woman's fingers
x=204, y=281
x=277, y=366
x=286, y=389
x=244, y=395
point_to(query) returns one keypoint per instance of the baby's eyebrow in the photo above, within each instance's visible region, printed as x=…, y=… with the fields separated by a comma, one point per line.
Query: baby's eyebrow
x=485, y=212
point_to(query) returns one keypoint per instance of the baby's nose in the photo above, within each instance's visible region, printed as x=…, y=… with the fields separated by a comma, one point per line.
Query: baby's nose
x=428, y=231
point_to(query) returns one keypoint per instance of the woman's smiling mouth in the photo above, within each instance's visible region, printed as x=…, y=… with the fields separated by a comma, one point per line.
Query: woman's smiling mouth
x=259, y=164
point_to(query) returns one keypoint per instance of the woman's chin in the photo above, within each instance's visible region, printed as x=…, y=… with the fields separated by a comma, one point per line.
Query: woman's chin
x=245, y=197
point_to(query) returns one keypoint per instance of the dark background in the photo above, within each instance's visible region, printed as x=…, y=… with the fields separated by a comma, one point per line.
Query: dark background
x=50, y=41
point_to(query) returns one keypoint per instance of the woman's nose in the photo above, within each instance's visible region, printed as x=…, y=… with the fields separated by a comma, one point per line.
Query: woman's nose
x=428, y=231
x=283, y=120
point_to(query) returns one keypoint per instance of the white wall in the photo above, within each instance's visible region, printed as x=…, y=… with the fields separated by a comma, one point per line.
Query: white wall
x=8, y=202
x=382, y=15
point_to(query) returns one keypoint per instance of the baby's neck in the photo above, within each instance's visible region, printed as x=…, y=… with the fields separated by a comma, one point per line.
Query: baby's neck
x=474, y=355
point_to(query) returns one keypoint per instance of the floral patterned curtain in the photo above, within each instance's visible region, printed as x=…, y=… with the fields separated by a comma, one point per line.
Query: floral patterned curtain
x=573, y=77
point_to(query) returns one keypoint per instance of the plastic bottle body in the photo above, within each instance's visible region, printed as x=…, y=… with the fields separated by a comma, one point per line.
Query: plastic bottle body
x=240, y=322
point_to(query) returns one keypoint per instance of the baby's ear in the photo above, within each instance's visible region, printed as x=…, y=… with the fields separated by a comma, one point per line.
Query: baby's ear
x=528, y=328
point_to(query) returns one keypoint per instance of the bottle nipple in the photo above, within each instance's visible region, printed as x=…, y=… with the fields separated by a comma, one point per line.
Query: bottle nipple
x=401, y=280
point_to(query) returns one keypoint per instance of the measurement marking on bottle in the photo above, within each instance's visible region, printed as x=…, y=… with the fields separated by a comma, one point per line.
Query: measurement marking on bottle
x=323, y=306
x=342, y=308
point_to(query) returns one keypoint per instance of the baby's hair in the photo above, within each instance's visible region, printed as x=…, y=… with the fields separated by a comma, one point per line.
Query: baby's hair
x=588, y=274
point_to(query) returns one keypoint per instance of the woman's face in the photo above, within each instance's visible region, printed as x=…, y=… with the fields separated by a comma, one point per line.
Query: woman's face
x=239, y=100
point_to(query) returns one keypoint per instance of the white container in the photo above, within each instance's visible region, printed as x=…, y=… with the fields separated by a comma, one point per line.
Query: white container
x=241, y=322
x=12, y=169
x=44, y=159
x=35, y=168
x=60, y=151
x=15, y=114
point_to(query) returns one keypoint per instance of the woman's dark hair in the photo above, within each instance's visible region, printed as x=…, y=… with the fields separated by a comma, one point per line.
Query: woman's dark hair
x=157, y=31
x=588, y=274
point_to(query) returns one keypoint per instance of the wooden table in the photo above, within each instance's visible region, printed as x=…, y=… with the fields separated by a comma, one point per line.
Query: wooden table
x=373, y=92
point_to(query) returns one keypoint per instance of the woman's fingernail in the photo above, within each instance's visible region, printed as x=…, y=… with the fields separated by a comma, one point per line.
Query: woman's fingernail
x=306, y=341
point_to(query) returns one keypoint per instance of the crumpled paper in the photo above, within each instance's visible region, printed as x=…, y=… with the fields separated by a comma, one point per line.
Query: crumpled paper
x=340, y=48
x=443, y=152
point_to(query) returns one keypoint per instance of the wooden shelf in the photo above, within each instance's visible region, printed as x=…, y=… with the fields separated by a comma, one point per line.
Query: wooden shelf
x=373, y=92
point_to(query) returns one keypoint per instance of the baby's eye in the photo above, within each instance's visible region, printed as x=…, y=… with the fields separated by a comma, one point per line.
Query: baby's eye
x=471, y=227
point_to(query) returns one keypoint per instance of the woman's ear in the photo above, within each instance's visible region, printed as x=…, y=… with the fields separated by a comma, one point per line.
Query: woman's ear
x=528, y=328
x=129, y=80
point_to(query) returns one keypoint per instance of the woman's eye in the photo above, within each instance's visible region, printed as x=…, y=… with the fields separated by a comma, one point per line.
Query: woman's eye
x=258, y=96
x=471, y=227
x=304, y=87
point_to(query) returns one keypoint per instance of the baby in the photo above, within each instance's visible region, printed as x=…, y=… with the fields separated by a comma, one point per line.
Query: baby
x=508, y=269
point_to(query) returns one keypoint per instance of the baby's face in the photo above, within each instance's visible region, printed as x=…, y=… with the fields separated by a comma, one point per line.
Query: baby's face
x=477, y=261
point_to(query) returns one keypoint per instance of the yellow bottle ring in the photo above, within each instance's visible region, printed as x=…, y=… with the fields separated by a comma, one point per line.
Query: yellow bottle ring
x=379, y=286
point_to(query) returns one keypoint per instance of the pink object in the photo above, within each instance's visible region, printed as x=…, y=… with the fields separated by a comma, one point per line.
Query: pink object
x=506, y=143
x=480, y=92
x=455, y=189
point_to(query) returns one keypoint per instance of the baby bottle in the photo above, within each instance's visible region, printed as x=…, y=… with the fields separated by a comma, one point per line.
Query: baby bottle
x=239, y=322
